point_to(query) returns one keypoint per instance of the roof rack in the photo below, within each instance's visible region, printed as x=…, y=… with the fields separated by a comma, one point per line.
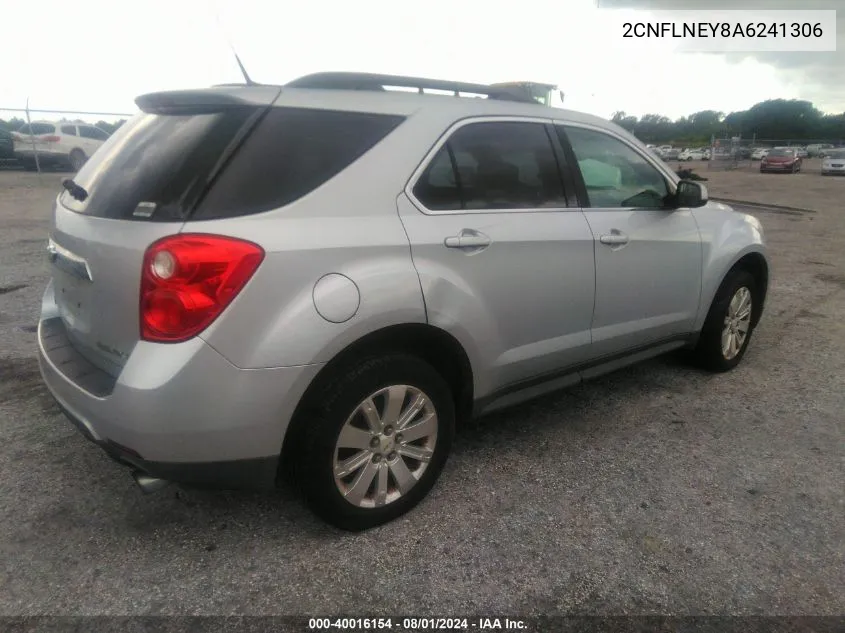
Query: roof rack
x=378, y=83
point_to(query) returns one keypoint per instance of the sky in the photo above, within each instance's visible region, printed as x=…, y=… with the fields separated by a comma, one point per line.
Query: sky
x=125, y=48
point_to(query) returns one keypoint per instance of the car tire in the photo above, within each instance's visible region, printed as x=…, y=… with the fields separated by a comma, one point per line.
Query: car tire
x=721, y=345
x=351, y=405
x=77, y=159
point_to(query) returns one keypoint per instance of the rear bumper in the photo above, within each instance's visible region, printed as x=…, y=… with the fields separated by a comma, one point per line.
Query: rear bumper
x=178, y=412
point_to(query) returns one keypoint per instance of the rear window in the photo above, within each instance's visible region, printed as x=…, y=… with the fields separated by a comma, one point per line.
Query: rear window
x=162, y=160
x=169, y=167
x=292, y=152
x=37, y=129
x=69, y=129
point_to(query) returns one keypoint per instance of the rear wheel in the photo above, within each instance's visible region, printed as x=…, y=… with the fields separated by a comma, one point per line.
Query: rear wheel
x=375, y=442
x=729, y=324
x=77, y=159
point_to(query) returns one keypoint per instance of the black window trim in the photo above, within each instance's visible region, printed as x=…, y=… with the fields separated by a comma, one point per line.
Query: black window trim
x=581, y=189
x=444, y=139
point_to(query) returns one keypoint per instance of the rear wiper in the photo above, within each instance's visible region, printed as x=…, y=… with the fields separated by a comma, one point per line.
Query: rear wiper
x=75, y=190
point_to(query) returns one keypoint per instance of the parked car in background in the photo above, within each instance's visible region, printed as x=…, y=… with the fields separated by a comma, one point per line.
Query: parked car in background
x=783, y=159
x=833, y=162
x=212, y=321
x=7, y=145
x=57, y=143
x=691, y=154
x=671, y=154
x=801, y=151
x=759, y=153
x=818, y=149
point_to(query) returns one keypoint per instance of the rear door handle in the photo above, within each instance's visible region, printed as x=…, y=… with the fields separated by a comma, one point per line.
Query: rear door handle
x=615, y=238
x=467, y=238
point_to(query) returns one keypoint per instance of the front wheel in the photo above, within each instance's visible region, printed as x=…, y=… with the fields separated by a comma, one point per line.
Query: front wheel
x=729, y=324
x=376, y=441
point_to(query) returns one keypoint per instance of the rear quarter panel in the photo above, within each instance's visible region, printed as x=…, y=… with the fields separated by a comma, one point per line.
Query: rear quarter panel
x=348, y=226
x=726, y=237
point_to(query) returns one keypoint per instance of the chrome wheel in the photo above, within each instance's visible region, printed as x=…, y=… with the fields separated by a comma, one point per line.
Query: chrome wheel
x=737, y=323
x=385, y=446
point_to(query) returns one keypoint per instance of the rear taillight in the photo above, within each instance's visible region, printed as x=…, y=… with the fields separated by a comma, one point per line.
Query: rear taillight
x=189, y=279
x=50, y=139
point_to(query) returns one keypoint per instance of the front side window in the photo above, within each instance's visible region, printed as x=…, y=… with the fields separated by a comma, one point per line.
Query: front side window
x=614, y=174
x=493, y=165
x=88, y=132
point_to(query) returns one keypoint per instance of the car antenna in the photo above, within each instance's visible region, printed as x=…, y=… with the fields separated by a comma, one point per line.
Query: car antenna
x=249, y=82
x=247, y=79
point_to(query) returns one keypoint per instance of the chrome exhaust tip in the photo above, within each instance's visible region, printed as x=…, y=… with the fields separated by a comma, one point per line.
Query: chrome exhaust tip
x=147, y=484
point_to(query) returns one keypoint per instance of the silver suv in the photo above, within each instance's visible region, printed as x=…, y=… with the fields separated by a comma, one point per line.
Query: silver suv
x=328, y=275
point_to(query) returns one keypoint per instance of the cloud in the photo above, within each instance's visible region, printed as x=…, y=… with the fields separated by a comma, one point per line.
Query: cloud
x=817, y=77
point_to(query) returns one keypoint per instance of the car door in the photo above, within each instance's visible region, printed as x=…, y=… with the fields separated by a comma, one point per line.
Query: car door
x=505, y=265
x=648, y=258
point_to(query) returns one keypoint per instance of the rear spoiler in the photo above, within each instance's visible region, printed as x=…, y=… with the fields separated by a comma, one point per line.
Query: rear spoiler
x=208, y=100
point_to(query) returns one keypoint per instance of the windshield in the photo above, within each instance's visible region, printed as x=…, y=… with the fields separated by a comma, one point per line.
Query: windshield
x=838, y=154
x=781, y=152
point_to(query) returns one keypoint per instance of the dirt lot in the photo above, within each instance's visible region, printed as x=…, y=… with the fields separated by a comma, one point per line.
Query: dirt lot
x=807, y=189
x=658, y=489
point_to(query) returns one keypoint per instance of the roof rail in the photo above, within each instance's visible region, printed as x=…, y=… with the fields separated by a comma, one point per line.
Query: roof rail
x=375, y=82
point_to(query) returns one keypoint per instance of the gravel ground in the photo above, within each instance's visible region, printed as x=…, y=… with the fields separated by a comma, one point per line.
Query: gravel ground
x=658, y=489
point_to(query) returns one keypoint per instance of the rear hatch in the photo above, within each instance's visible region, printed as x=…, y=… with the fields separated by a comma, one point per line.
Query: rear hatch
x=141, y=185
x=40, y=136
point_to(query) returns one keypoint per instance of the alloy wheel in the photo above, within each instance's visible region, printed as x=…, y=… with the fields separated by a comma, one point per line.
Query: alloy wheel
x=737, y=323
x=385, y=446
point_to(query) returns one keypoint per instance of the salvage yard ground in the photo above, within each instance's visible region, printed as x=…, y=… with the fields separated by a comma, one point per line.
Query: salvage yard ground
x=658, y=489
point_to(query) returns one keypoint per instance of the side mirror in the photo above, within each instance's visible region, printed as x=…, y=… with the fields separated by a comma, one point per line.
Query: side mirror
x=690, y=194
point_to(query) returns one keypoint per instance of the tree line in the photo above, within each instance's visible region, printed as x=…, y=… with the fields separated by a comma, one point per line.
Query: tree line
x=774, y=119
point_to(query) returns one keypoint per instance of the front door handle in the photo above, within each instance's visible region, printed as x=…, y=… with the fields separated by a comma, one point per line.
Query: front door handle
x=615, y=238
x=467, y=238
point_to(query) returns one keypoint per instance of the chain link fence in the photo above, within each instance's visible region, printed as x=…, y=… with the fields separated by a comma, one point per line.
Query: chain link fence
x=37, y=139
x=815, y=148
x=732, y=152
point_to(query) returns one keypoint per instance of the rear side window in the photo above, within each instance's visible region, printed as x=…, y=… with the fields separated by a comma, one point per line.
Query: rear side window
x=495, y=165
x=291, y=152
x=164, y=161
x=70, y=130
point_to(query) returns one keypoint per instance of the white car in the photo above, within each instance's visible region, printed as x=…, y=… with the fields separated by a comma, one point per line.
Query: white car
x=833, y=162
x=692, y=154
x=802, y=152
x=759, y=153
x=57, y=143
